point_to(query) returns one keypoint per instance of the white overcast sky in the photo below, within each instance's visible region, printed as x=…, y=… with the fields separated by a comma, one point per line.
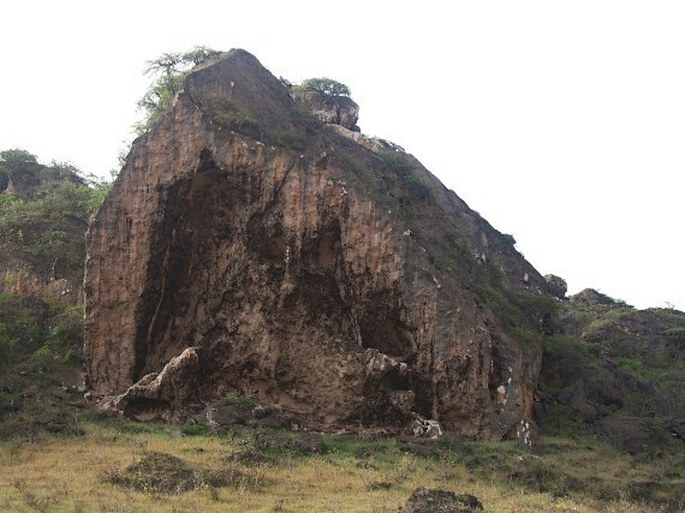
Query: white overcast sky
x=562, y=123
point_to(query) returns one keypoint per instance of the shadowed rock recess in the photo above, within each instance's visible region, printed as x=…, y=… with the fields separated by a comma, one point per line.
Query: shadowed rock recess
x=249, y=247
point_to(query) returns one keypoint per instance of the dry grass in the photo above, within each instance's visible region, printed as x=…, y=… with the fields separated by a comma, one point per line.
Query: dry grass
x=71, y=475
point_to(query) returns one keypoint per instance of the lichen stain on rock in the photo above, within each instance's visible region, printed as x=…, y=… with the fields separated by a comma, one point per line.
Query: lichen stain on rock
x=289, y=278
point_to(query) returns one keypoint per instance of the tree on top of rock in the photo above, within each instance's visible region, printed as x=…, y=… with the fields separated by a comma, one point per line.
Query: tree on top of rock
x=169, y=69
x=324, y=86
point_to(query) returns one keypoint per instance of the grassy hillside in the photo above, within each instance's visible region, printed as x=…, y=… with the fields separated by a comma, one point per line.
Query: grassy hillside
x=44, y=213
x=119, y=466
x=617, y=372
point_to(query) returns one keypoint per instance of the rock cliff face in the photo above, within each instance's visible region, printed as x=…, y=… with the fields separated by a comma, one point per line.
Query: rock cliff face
x=249, y=248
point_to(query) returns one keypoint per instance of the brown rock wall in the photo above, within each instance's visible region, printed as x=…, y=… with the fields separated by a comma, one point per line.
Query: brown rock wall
x=290, y=279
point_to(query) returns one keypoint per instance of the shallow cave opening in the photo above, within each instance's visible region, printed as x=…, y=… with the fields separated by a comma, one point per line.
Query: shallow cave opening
x=199, y=216
x=145, y=409
x=395, y=380
x=321, y=253
x=389, y=336
x=423, y=402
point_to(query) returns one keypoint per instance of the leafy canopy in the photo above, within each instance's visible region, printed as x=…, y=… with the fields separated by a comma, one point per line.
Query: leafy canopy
x=324, y=86
x=16, y=157
x=169, y=71
x=45, y=214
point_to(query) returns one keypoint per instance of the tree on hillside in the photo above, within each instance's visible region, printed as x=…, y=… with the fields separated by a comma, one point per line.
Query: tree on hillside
x=44, y=217
x=169, y=70
x=16, y=157
x=18, y=168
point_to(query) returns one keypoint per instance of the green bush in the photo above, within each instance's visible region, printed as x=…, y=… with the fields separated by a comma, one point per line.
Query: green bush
x=30, y=328
x=7, y=343
x=45, y=219
x=36, y=334
x=44, y=353
x=66, y=333
x=242, y=402
x=509, y=239
x=631, y=364
x=290, y=138
x=197, y=429
x=677, y=334
x=324, y=86
x=229, y=115
x=457, y=241
x=169, y=70
x=406, y=212
x=395, y=161
x=417, y=187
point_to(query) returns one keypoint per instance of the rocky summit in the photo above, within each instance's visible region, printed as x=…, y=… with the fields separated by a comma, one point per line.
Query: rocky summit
x=257, y=243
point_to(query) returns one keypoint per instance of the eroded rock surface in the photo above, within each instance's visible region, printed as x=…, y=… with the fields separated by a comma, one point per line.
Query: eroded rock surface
x=328, y=278
x=556, y=286
x=165, y=394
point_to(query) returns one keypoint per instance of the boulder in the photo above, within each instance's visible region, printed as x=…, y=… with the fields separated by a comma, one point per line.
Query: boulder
x=556, y=286
x=435, y=500
x=335, y=110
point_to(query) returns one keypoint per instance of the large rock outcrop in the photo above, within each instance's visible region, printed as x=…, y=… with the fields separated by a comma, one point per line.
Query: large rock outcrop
x=283, y=260
x=338, y=110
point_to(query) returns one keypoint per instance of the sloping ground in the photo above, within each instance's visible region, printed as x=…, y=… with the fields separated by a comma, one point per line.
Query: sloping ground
x=619, y=371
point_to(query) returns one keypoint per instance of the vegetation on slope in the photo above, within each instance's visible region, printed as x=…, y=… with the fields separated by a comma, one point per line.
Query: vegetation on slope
x=44, y=213
x=169, y=71
x=616, y=371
